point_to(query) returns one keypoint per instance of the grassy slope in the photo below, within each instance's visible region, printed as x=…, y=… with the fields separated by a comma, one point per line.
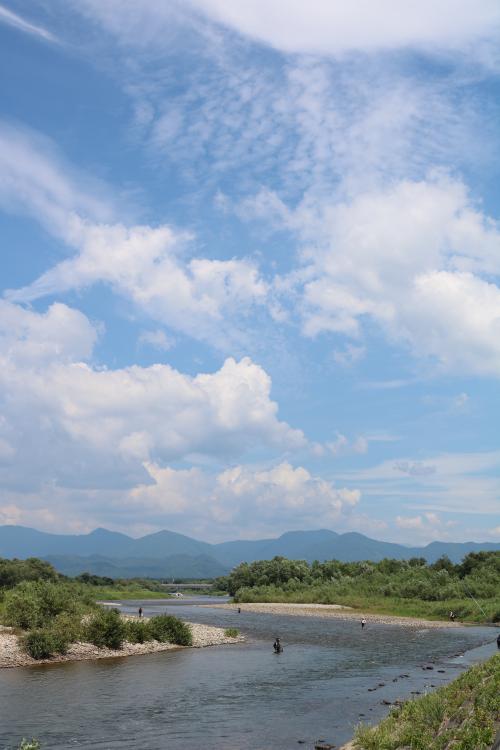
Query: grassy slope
x=464, y=715
x=468, y=610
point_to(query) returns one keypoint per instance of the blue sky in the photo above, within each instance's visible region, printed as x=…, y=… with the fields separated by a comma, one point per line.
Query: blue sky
x=250, y=267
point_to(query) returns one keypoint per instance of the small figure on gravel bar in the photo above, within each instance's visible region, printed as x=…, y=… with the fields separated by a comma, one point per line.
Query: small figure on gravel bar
x=140, y=611
x=452, y=616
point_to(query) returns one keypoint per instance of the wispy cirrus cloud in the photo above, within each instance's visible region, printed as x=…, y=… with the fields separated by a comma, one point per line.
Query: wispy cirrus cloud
x=18, y=22
x=451, y=483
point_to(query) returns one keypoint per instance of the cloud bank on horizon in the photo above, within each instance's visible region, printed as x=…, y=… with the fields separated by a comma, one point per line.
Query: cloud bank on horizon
x=251, y=267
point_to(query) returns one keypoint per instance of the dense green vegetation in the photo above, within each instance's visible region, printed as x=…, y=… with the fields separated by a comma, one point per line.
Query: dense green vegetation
x=163, y=628
x=168, y=628
x=464, y=715
x=50, y=611
x=32, y=569
x=402, y=587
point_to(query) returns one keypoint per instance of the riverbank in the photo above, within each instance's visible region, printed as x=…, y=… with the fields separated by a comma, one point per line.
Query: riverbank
x=465, y=714
x=11, y=654
x=335, y=610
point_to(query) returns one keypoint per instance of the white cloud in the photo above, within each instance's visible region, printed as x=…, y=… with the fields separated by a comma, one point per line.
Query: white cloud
x=461, y=483
x=349, y=355
x=342, y=445
x=243, y=501
x=157, y=339
x=417, y=258
x=335, y=27
x=323, y=27
x=427, y=527
x=280, y=497
x=77, y=425
x=12, y=19
x=35, y=180
x=145, y=264
x=35, y=340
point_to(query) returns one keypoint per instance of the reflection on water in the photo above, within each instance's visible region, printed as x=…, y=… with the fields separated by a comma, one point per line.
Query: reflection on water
x=246, y=697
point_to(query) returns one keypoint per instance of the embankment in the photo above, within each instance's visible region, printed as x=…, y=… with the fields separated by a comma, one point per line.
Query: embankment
x=464, y=714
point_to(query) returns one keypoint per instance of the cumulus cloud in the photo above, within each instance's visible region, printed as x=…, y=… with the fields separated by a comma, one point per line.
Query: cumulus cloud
x=242, y=501
x=343, y=444
x=146, y=264
x=280, y=496
x=428, y=526
x=71, y=423
x=418, y=258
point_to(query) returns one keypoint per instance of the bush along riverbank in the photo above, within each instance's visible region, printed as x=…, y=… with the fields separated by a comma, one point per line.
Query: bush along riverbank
x=44, y=617
x=408, y=588
x=48, y=617
x=464, y=715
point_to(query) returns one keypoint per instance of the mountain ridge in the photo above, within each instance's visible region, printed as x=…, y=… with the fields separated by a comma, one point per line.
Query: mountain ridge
x=169, y=553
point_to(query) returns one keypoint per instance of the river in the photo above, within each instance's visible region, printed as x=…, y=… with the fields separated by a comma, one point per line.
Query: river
x=330, y=676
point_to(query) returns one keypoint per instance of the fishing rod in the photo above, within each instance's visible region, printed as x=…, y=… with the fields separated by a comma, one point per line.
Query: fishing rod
x=474, y=600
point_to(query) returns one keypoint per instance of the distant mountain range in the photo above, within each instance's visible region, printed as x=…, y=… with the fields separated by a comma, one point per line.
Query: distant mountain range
x=167, y=554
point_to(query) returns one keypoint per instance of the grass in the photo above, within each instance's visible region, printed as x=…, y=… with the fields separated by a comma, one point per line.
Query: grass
x=466, y=609
x=464, y=715
x=116, y=593
x=231, y=632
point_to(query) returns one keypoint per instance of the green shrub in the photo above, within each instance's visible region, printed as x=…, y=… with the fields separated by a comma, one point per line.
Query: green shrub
x=67, y=626
x=169, y=628
x=35, y=604
x=39, y=644
x=231, y=632
x=138, y=631
x=106, y=629
x=22, y=609
x=29, y=745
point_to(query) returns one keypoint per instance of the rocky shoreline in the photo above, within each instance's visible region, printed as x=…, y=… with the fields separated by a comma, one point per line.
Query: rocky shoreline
x=11, y=654
x=337, y=611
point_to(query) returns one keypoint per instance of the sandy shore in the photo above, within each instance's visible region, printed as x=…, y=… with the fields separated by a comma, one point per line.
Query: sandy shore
x=12, y=656
x=338, y=611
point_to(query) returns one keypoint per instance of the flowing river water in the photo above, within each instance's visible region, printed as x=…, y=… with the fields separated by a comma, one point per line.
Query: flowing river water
x=331, y=676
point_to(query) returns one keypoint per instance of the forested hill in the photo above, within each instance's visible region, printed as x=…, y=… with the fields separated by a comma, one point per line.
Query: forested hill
x=167, y=553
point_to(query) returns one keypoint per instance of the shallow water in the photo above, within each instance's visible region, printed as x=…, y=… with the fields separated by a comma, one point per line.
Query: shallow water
x=241, y=696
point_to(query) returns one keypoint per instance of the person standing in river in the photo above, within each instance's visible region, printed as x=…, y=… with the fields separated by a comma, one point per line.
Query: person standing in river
x=363, y=623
